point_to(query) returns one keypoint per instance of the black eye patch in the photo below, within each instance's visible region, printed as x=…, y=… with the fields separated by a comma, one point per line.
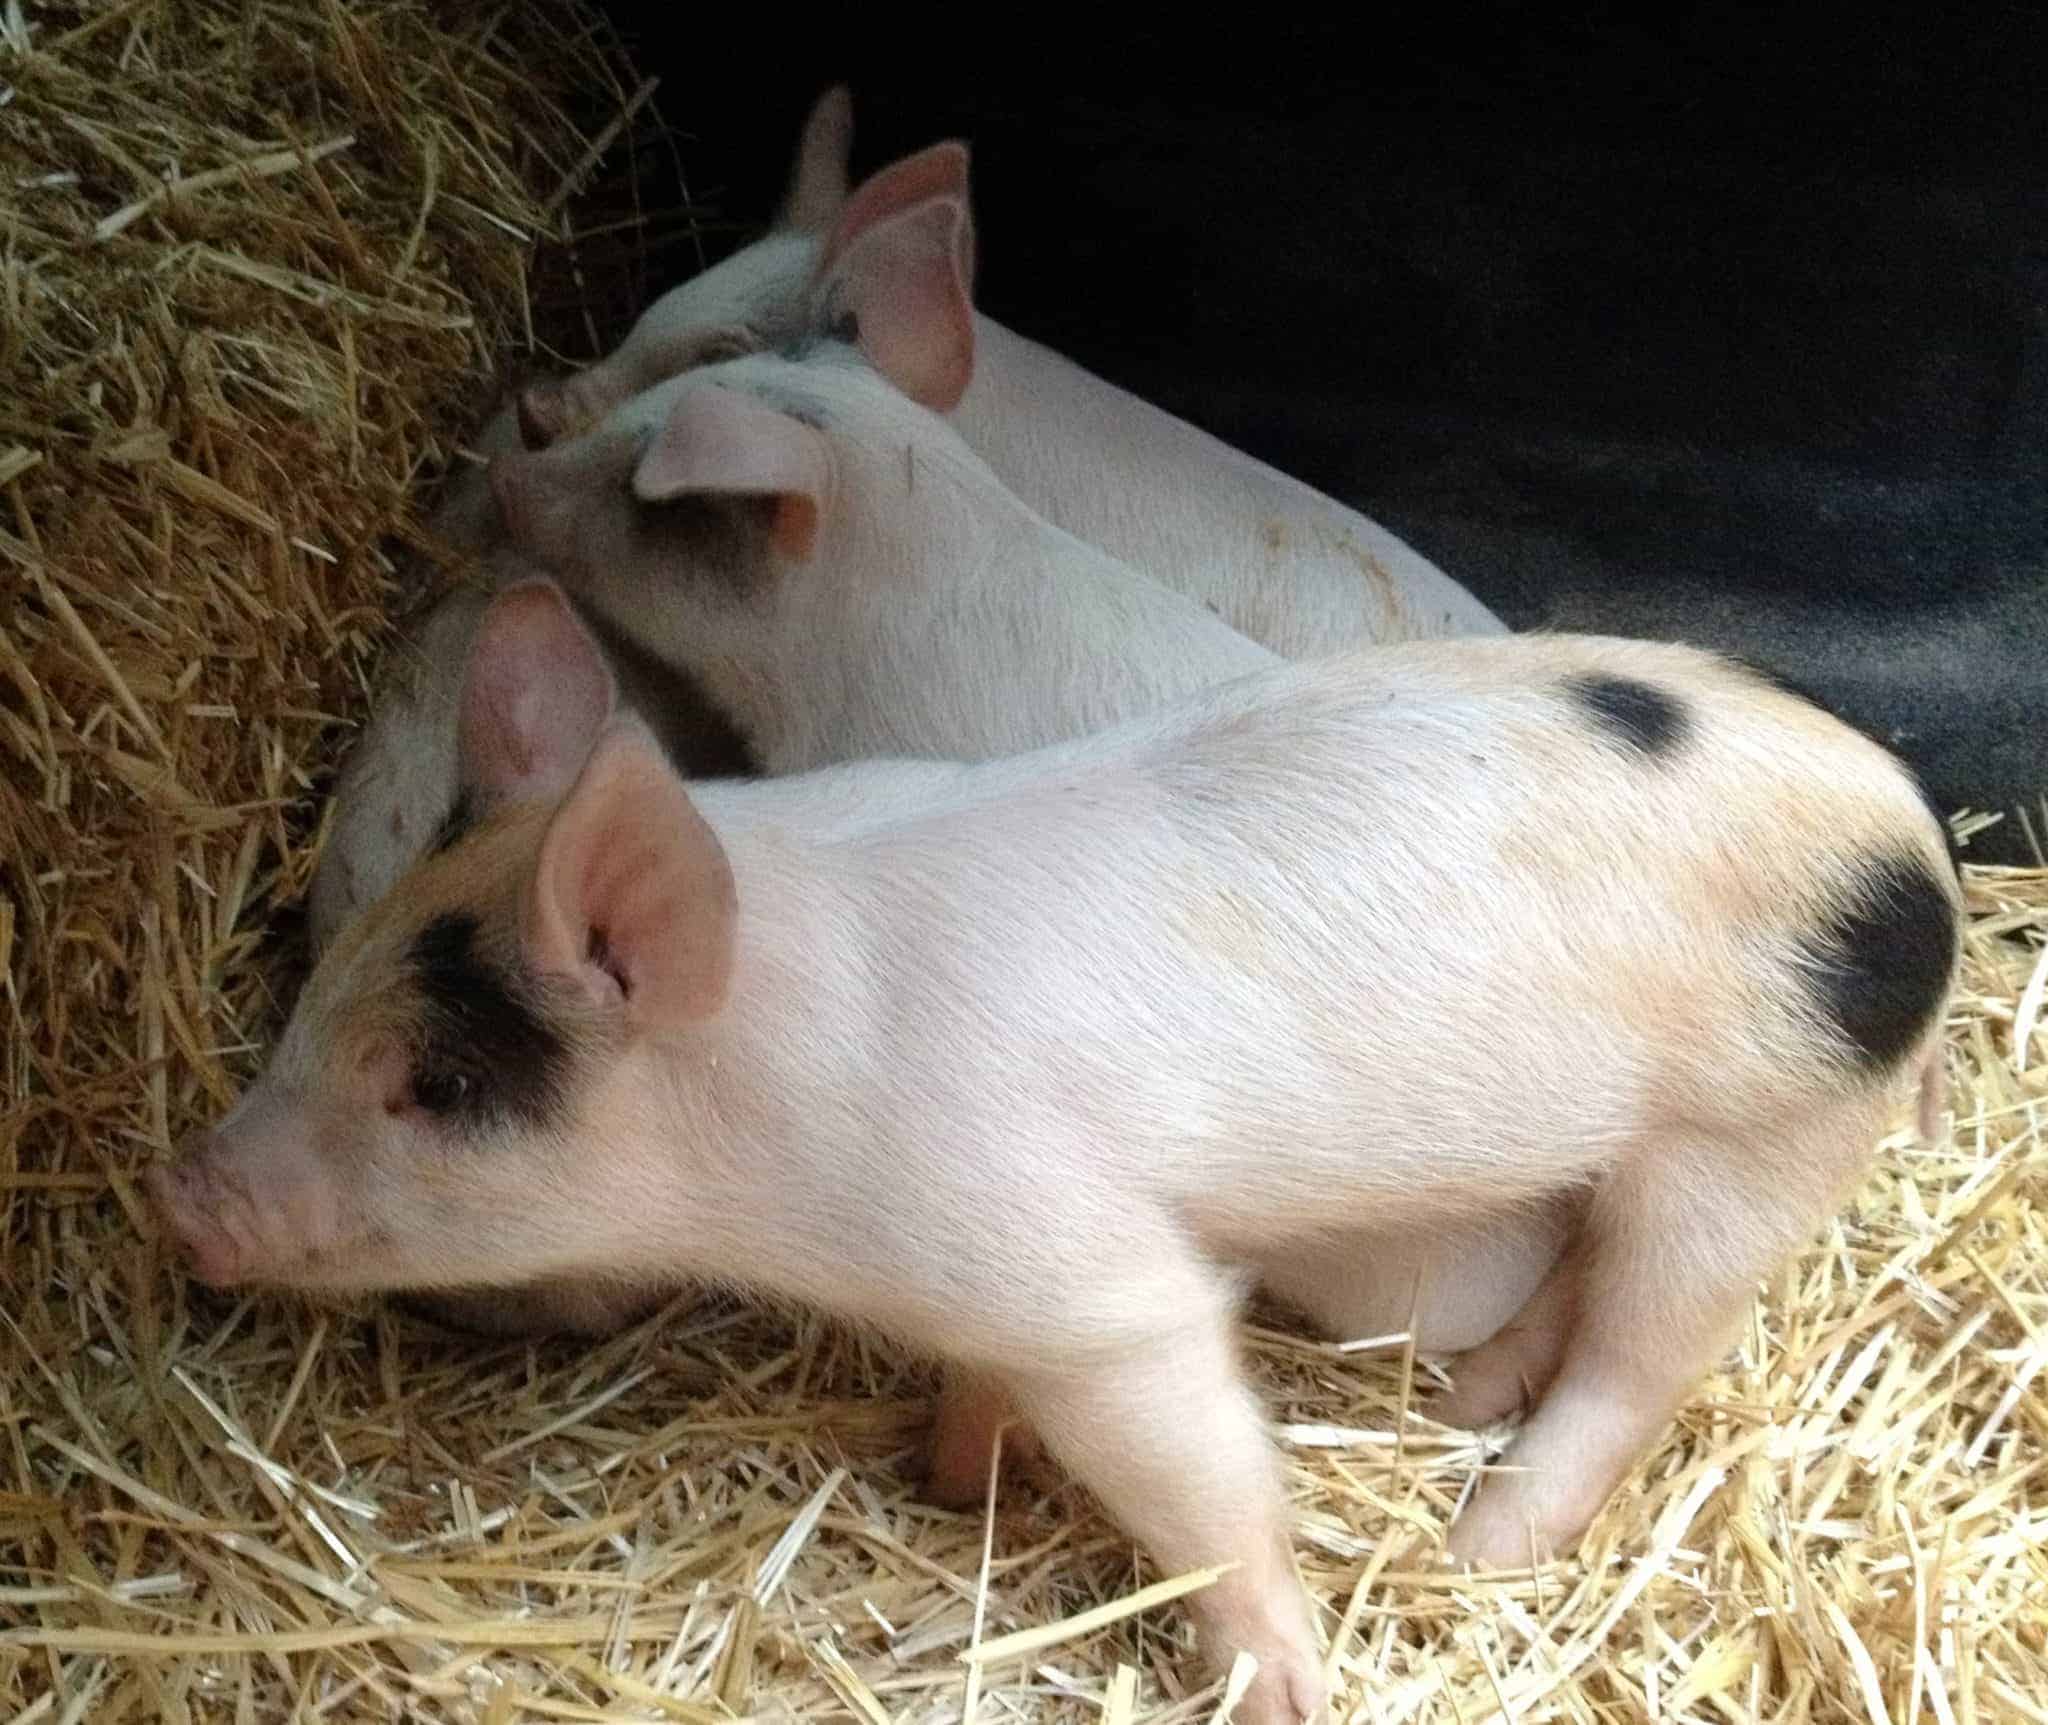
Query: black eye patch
x=489, y=1056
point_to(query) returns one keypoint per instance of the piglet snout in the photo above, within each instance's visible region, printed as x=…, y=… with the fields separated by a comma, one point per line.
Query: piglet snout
x=187, y=1197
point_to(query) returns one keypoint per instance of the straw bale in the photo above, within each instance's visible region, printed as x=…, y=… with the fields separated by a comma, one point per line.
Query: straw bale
x=258, y=266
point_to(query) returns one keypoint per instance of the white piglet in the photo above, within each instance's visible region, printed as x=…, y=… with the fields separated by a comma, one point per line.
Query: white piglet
x=1274, y=558
x=1017, y=1062
x=843, y=576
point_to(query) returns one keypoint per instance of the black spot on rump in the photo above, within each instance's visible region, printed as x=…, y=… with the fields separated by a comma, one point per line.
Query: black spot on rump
x=489, y=1054
x=1879, y=966
x=1640, y=715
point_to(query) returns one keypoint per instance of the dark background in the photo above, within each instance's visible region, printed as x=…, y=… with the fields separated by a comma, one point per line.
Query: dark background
x=1663, y=327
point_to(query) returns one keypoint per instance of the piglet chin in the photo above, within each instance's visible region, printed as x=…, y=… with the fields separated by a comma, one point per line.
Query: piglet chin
x=186, y=1201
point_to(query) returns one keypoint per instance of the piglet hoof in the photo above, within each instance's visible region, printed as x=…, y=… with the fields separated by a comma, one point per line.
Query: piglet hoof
x=1501, y=1378
x=1478, y=1399
x=1287, y=1689
x=953, y=1483
x=1494, y=1532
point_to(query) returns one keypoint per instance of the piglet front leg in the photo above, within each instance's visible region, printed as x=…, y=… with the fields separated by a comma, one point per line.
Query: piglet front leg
x=1168, y=1436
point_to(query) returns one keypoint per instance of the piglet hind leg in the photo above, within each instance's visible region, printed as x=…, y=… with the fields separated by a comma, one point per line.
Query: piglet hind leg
x=1170, y=1439
x=1677, y=1240
x=1509, y=1371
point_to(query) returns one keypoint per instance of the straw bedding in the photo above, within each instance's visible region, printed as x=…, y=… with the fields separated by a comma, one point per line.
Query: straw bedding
x=219, y=400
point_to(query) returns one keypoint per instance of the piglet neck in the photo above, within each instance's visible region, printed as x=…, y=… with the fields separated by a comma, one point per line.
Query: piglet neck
x=730, y=1112
x=928, y=504
x=916, y=533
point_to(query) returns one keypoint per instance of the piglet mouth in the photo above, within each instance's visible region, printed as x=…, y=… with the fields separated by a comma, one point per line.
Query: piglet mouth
x=194, y=1207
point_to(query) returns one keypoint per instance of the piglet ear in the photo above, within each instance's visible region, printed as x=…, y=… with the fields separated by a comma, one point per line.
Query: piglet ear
x=937, y=171
x=536, y=696
x=817, y=181
x=543, y=413
x=900, y=263
x=632, y=896
x=722, y=442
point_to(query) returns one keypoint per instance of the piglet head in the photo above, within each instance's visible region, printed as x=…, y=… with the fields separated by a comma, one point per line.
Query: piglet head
x=748, y=475
x=745, y=441
x=890, y=267
x=461, y=1095
x=667, y=460
x=755, y=299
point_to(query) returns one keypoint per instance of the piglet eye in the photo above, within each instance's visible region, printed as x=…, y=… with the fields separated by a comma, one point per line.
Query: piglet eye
x=439, y=1092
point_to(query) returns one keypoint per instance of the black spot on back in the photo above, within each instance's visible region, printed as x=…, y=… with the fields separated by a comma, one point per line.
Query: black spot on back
x=455, y=825
x=488, y=1054
x=1640, y=715
x=1879, y=966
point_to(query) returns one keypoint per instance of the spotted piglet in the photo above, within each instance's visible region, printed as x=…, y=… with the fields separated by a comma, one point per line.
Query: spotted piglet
x=1014, y=1060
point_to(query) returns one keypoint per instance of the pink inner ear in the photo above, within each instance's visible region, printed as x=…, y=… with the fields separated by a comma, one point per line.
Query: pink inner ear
x=632, y=894
x=937, y=172
x=536, y=696
x=905, y=280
